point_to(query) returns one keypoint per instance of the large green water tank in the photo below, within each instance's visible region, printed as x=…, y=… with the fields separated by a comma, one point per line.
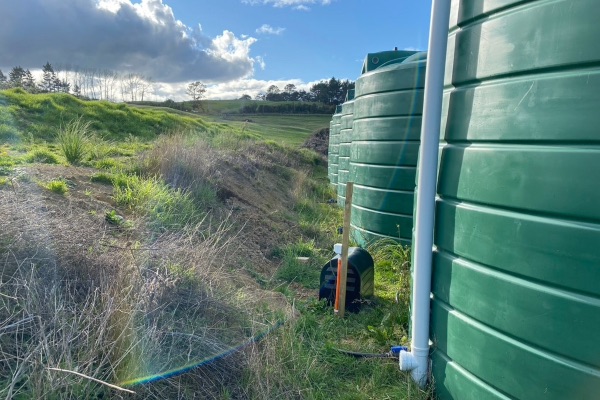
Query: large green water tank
x=334, y=144
x=516, y=274
x=344, y=146
x=385, y=144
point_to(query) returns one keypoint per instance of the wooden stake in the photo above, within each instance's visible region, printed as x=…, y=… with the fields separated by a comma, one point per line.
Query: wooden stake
x=345, y=244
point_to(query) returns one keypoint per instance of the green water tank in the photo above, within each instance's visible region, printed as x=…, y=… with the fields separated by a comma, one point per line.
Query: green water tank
x=385, y=144
x=516, y=271
x=334, y=144
x=344, y=146
x=330, y=155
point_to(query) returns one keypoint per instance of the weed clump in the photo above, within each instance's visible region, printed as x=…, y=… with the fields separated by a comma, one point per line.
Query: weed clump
x=43, y=156
x=58, y=186
x=102, y=177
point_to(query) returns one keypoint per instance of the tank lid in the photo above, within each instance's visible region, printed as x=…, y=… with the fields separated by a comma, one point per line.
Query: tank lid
x=420, y=56
x=375, y=60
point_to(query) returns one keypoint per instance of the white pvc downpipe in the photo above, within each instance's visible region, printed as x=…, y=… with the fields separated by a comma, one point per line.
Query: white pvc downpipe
x=417, y=360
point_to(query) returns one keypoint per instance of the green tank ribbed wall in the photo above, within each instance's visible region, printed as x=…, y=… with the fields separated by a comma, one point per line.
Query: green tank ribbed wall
x=385, y=144
x=344, y=146
x=516, y=270
x=330, y=155
x=334, y=144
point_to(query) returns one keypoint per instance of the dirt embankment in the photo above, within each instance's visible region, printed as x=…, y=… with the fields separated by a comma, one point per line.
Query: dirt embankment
x=318, y=141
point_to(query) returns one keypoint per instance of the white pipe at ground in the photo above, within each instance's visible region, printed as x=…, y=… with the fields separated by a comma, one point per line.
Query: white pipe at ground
x=417, y=360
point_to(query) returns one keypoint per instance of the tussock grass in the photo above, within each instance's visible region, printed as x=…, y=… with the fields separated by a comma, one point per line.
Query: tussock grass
x=188, y=164
x=73, y=139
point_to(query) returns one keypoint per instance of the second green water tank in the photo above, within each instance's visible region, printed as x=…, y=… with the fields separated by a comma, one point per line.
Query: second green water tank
x=385, y=144
x=344, y=146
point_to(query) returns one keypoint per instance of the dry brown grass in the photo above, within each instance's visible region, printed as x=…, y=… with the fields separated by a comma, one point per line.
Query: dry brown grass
x=115, y=304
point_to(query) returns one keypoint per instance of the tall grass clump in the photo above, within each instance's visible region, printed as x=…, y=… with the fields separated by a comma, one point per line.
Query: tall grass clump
x=186, y=163
x=73, y=139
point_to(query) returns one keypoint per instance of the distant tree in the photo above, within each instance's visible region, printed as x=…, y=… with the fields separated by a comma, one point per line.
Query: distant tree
x=303, y=95
x=332, y=91
x=29, y=82
x=245, y=97
x=3, y=81
x=62, y=86
x=196, y=91
x=261, y=96
x=147, y=85
x=48, y=79
x=77, y=90
x=273, y=93
x=320, y=92
x=289, y=88
x=289, y=92
x=15, y=77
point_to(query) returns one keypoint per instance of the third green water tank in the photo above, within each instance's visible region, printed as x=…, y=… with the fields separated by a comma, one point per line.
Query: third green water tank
x=345, y=140
x=516, y=274
x=334, y=144
x=385, y=144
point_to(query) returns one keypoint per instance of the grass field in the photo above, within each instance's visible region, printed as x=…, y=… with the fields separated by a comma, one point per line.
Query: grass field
x=291, y=129
x=283, y=128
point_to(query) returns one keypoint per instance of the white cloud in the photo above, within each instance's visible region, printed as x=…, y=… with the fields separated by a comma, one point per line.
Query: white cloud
x=269, y=30
x=142, y=37
x=296, y=4
x=261, y=62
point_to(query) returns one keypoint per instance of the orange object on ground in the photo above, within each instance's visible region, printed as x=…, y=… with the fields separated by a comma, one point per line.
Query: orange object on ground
x=338, y=280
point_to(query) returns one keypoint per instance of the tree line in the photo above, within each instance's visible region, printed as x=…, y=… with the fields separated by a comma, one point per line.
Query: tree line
x=331, y=92
x=286, y=107
x=105, y=84
x=86, y=83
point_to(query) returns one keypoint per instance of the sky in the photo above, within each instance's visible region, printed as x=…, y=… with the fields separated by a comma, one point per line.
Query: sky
x=235, y=47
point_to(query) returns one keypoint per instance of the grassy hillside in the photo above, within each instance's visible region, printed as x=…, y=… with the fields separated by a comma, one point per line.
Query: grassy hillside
x=168, y=242
x=40, y=116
